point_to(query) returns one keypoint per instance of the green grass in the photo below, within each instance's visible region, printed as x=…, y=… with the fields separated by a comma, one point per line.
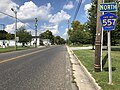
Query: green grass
x=9, y=49
x=87, y=58
x=80, y=45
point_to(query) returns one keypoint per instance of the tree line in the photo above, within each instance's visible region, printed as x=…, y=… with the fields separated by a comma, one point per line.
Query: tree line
x=86, y=33
x=53, y=39
x=25, y=37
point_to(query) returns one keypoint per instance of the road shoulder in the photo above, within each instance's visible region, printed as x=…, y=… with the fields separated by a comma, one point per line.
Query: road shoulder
x=82, y=77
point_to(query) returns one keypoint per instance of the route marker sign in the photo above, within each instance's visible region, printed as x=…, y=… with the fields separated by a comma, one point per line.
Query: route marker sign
x=108, y=21
x=108, y=7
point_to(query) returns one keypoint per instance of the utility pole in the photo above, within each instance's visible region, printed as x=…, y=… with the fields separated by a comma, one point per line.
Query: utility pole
x=36, y=20
x=67, y=36
x=101, y=42
x=97, y=65
x=15, y=27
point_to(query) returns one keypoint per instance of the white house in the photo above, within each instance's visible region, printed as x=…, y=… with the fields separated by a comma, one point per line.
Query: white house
x=44, y=41
x=33, y=41
x=6, y=43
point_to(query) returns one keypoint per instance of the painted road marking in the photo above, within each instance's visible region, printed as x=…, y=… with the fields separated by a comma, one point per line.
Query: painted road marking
x=11, y=59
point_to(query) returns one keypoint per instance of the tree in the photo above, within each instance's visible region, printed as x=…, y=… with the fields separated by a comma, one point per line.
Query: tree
x=58, y=40
x=78, y=34
x=6, y=36
x=47, y=35
x=10, y=36
x=24, y=36
x=3, y=34
x=91, y=24
x=75, y=25
x=115, y=34
x=80, y=37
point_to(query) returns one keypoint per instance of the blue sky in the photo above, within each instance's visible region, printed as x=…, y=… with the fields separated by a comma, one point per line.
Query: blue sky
x=52, y=14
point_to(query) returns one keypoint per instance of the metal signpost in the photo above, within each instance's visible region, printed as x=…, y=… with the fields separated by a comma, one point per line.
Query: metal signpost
x=108, y=21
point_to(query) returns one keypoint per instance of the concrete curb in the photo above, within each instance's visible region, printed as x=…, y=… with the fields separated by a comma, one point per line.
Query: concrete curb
x=97, y=87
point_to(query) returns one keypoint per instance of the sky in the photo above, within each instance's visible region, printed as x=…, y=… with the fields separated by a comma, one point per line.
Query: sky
x=52, y=15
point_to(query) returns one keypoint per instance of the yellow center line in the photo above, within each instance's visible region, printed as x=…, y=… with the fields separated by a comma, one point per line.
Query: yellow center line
x=11, y=59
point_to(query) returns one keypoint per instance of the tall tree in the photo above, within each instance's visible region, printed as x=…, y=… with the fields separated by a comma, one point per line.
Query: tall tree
x=115, y=35
x=3, y=34
x=10, y=36
x=91, y=24
x=78, y=34
x=47, y=35
x=76, y=25
x=24, y=36
x=58, y=40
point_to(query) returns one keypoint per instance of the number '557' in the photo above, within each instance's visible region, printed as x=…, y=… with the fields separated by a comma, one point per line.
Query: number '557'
x=108, y=22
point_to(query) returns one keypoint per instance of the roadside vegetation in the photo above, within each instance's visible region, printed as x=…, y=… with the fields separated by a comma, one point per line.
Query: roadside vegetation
x=9, y=49
x=87, y=58
x=80, y=34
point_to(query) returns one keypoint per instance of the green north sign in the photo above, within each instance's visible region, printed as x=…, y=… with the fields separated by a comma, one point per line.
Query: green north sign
x=108, y=7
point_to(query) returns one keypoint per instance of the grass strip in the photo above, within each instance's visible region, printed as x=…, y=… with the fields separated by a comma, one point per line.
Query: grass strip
x=87, y=58
x=9, y=49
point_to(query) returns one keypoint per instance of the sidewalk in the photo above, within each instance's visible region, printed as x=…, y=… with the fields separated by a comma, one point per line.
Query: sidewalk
x=83, y=78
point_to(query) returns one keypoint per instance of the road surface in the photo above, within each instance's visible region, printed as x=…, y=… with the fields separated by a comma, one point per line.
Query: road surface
x=35, y=69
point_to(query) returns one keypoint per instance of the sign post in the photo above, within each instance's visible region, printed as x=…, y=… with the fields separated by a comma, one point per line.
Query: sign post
x=108, y=21
x=106, y=7
x=109, y=58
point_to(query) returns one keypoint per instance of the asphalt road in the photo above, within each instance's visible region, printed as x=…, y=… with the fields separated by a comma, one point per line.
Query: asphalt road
x=36, y=69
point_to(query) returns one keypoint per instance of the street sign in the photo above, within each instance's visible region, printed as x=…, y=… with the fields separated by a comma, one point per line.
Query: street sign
x=108, y=7
x=108, y=21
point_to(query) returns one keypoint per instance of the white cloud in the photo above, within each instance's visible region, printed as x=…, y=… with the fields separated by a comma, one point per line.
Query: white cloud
x=29, y=11
x=52, y=27
x=87, y=7
x=32, y=32
x=68, y=6
x=11, y=27
x=59, y=17
x=66, y=30
x=5, y=6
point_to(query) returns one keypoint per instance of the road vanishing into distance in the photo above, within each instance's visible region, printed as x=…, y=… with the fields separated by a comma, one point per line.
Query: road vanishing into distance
x=35, y=69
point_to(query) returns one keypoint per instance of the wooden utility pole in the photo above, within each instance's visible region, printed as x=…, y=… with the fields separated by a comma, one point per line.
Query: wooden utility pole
x=36, y=20
x=67, y=36
x=97, y=65
x=101, y=42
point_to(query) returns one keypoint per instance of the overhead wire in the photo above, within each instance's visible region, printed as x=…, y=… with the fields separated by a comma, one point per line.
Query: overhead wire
x=78, y=7
x=17, y=19
x=6, y=14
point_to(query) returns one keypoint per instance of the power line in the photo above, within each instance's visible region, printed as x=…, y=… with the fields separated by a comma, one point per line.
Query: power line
x=7, y=14
x=17, y=19
x=25, y=23
x=79, y=4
